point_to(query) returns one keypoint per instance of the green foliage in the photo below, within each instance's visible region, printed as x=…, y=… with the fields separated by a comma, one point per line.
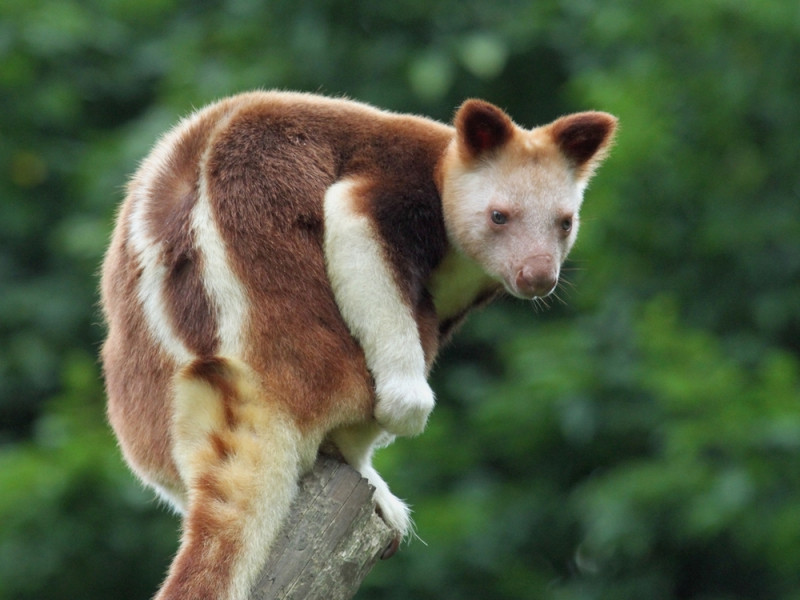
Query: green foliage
x=72, y=516
x=641, y=441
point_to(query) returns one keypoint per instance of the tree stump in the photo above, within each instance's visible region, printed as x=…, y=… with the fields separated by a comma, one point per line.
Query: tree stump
x=332, y=539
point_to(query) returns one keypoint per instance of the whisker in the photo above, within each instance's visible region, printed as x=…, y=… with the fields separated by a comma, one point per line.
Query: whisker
x=540, y=304
x=559, y=298
x=576, y=261
x=566, y=283
x=561, y=292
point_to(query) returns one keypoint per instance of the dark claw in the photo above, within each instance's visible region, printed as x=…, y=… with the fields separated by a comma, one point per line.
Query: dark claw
x=391, y=549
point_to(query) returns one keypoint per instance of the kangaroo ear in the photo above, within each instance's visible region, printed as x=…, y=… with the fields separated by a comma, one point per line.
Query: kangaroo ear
x=584, y=139
x=481, y=127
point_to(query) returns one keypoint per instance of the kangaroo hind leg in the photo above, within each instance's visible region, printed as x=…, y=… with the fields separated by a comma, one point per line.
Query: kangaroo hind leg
x=240, y=456
x=356, y=444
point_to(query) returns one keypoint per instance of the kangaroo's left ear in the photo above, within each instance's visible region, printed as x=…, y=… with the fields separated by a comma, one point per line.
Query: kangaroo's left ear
x=481, y=127
x=584, y=139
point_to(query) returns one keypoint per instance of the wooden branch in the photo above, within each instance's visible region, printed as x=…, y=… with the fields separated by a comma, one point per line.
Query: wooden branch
x=331, y=541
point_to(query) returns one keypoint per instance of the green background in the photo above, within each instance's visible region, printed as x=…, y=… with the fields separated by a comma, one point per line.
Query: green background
x=640, y=440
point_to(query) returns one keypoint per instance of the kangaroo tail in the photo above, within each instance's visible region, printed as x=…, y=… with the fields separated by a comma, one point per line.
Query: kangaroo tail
x=240, y=456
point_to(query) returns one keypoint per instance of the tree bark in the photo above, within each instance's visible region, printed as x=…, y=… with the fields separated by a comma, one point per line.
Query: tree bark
x=331, y=540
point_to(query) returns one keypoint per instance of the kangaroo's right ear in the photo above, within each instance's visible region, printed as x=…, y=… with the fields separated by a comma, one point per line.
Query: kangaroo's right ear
x=481, y=127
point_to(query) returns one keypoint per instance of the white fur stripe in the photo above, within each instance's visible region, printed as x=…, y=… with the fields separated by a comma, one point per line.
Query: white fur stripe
x=365, y=288
x=149, y=251
x=225, y=291
x=151, y=282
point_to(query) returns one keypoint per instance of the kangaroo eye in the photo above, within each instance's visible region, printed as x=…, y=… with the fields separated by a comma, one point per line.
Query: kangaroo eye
x=566, y=224
x=499, y=218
